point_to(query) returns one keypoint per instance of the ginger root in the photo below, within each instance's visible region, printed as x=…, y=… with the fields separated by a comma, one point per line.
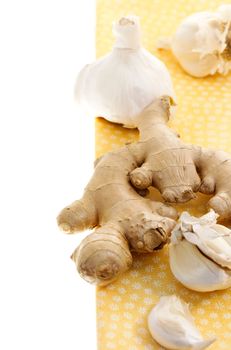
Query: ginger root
x=123, y=220
x=178, y=170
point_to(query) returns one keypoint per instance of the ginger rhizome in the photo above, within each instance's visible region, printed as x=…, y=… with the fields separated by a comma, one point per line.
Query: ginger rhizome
x=123, y=220
x=178, y=170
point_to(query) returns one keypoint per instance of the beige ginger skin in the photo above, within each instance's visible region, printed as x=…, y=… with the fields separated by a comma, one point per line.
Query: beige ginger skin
x=178, y=170
x=123, y=220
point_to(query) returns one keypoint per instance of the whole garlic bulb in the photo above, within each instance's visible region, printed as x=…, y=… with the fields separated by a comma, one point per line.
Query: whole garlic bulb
x=202, y=43
x=121, y=84
x=172, y=326
x=200, y=253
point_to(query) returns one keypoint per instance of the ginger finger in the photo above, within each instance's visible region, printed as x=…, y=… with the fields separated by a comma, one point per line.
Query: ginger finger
x=102, y=256
x=78, y=216
x=215, y=170
x=141, y=178
x=207, y=185
x=164, y=210
x=169, y=165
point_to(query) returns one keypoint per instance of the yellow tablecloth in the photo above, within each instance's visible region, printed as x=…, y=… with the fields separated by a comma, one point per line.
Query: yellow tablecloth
x=203, y=118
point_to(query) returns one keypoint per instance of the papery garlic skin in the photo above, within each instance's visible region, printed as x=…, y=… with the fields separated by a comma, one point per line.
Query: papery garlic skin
x=202, y=43
x=171, y=325
x=121, y=84
x=199, y=253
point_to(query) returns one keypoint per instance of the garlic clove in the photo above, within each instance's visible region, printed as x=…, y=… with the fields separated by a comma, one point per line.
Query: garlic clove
x=217, y=248
x=171, y=325
x=194, y=270
x=212, y=239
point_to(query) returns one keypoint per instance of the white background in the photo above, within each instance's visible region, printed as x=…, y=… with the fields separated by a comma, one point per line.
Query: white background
x=47, y=149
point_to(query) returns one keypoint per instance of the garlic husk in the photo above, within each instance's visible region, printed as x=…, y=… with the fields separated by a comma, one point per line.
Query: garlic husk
x=199, y=253
x=171, y=325
x=121, y=84
x=225, y=12
x=212, y=239
x=202, y=42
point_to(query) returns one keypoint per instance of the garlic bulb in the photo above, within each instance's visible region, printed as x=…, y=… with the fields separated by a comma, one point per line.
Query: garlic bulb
x=202, y=43
x=172, y=326
x=121, y=84
x=200, y=253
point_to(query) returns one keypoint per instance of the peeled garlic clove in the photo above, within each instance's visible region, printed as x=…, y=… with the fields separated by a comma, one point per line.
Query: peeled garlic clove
x=121, y=84
x=224, y=231
x=212, y=239
x=172, y=326
x=194, y=270
x=217, y=248
x=202, y=42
